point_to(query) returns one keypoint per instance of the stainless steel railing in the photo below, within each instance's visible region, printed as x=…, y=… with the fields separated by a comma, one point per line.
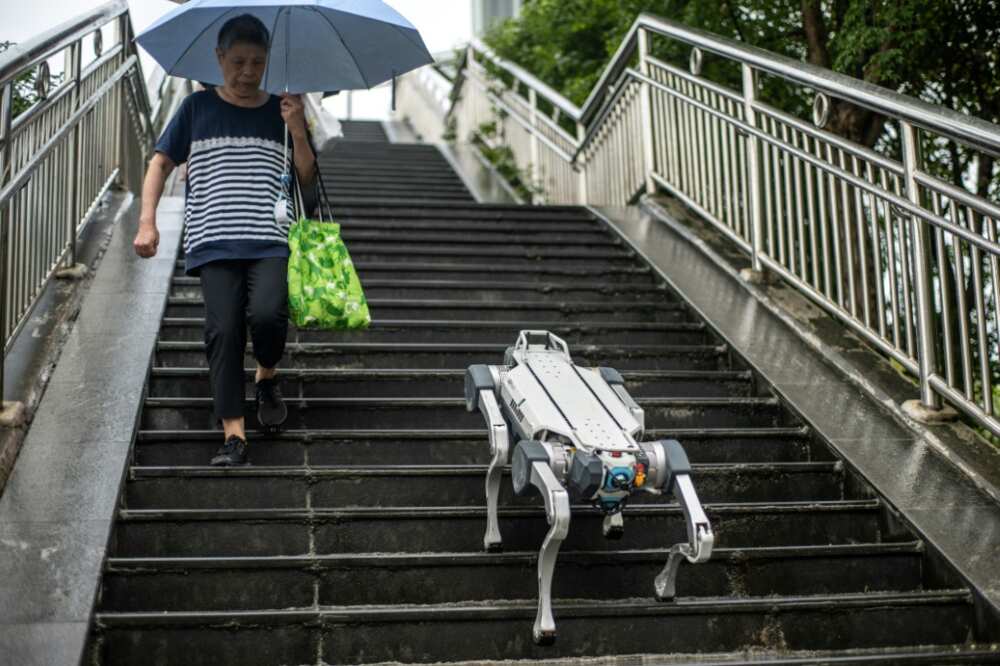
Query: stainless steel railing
x=59, y=157
x=906, y=260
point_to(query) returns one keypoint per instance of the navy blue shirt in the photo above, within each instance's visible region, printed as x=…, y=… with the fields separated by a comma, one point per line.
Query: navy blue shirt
x=235, y=157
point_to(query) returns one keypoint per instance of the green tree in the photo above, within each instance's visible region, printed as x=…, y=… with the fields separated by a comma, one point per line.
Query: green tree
x=24, y=86
x=943, y=50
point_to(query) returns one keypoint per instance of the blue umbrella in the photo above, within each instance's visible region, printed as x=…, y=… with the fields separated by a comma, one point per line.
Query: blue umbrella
x=316, y=45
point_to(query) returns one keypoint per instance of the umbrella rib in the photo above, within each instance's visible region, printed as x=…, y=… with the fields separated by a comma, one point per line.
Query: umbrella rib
x=358, y=64
x=193, y=41
x=267, y=74
x=405, y=33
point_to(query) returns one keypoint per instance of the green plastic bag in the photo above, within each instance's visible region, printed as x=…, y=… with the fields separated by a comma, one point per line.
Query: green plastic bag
x=324, y=291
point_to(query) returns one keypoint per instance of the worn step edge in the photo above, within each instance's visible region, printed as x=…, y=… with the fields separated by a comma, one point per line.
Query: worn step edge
x=454, y=403
x=350, y=471
x=474, y=285
x=444, y=303
x=499, y=609
x=313, y=434
x=481, y=210
x=555, y=326
x=434, y=267
x=455, y=248
x=482, y=237
x=429, y=347
x=349, y=373
x=377, y=513
x=393, y=560
x=564, y=227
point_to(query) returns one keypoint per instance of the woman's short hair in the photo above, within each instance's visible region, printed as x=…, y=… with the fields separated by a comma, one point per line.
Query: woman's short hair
x=245, y=28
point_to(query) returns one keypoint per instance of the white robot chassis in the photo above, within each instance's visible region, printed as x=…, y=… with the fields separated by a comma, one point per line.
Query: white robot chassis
x=577, y=432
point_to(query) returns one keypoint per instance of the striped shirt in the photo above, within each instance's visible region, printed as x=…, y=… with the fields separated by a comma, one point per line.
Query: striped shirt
x=235, y=157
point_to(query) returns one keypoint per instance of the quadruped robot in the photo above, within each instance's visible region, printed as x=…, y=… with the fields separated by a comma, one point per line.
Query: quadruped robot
x=577, y=433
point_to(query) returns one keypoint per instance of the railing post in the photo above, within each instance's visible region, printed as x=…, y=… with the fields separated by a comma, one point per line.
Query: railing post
x=926, y=326
x=6, y=174
x=534, y=169
x=646, y=109
x=581, y=136
x=753, y=168
x=124, y=159
x=76, y=55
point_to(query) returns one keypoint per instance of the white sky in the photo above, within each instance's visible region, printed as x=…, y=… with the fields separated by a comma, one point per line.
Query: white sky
x=443, y=24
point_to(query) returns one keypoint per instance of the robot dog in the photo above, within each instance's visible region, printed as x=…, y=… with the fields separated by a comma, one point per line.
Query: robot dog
x=577, y=432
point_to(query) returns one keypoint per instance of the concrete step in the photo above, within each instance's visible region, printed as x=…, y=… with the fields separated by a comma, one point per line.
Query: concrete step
x=471, y=250
x=324, y=413
x=483, y=213
x=361, y=176
x=267, y=532
x=433, y=633
x=341, y=486
x=456, y=356
x=415, y=330
x=361, y=130
x=585, y=229
x=416, y=196
x=353, y=233
x=660, y=311
x=387, y=185
x=421, y=446
x=487, y=290
x=457, y=271
x=319, y=383
x=245, y=584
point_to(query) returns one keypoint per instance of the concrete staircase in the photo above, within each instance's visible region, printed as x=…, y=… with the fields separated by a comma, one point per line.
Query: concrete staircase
x=356, y=536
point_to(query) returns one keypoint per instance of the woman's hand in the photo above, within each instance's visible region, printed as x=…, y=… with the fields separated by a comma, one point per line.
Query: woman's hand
x=147, y=240
x=293, y=111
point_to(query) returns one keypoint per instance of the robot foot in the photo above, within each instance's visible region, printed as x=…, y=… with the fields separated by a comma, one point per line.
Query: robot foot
x=613, y=527
x=545, y=638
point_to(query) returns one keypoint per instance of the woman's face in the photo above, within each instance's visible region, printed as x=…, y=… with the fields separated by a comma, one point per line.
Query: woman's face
x=243, y=68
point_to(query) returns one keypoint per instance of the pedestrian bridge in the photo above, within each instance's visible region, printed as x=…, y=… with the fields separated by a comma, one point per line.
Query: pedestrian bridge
x=815, y=321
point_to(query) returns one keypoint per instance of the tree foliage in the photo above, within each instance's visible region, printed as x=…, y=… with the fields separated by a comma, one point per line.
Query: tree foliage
x=24, y=94
x=945, y=51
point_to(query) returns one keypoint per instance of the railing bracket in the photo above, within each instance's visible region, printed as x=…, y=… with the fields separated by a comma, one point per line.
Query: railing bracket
x=74, y=272
x=750, y=276
x=917, y=411
x=12, y=414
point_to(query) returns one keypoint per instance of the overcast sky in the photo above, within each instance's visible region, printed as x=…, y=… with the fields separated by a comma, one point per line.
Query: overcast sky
x=443, y=24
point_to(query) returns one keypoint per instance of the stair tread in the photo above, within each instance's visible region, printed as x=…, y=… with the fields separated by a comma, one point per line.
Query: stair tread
x=566, y=609
x=375, y=513
x=406, y=559
x=430, y=433
x=139, y=472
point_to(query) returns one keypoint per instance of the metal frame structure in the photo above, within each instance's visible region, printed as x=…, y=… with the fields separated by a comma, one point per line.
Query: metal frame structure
x=58, y=158
x=906, y=260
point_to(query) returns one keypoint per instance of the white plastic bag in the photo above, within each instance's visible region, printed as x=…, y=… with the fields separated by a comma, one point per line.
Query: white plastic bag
x=323, y=125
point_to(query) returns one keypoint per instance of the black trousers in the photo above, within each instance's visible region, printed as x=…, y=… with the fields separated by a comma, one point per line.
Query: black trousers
x=238, y=293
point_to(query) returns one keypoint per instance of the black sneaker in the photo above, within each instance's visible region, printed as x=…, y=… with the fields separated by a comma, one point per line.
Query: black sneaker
x=271, y=410
x=232, y=454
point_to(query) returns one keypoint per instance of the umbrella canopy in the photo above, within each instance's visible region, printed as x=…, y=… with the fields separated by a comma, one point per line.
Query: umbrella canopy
x=316, y=45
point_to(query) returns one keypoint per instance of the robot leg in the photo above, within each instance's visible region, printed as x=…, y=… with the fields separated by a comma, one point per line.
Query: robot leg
x=531, y=466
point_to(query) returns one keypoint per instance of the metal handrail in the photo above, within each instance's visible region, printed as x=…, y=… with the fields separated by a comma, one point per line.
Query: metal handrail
x=879, y=242
x=99, y=115
x=22, y=57
x=969, y=129
x=528, y=79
